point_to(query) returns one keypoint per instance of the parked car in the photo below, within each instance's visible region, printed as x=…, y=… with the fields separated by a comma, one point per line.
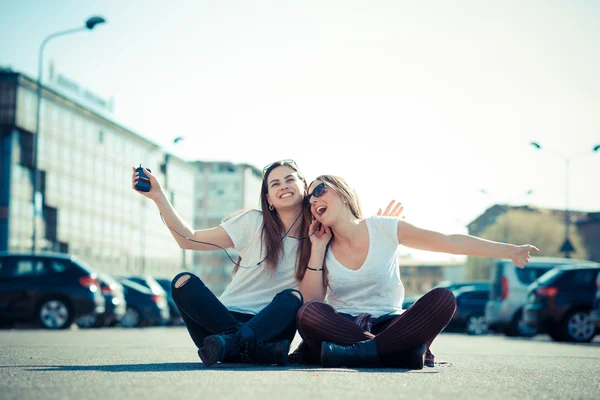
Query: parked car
x=144, y=308
x=470, y=311
x=52, y=289
x=508, y=293
x=560, y=302
x=115, y=304
x=147, y=281
x=595, y=314
x=162, y=286
x=175, y=316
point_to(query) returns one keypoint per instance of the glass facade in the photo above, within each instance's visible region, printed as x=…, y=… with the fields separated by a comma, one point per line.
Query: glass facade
x=89, y=208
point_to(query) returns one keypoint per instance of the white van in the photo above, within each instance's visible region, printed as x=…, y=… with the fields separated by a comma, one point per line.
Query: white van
x=508, y=292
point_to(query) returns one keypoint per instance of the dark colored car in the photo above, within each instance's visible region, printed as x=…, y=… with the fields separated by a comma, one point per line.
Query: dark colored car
x=160, y=287
x=144, y=308
x=52, y=289
x=509, y=290
x=147, y=281
x=560, y=302
x=595, y=314
x=175, y=316
x=470, y=310
x=115, y=304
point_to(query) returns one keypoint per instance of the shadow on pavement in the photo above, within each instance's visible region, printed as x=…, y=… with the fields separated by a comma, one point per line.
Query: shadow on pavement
x=197, y=366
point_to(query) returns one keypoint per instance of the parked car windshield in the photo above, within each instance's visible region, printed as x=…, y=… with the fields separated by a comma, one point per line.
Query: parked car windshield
x=135, y=286
x=529, y=274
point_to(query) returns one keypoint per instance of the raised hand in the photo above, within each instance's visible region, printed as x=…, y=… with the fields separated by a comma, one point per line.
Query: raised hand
x=522, y=254
x=319, y=234
x=155, y=189
x=391, y=210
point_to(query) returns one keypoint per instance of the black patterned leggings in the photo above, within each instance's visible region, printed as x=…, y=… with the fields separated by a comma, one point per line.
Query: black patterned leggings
x=419, y=324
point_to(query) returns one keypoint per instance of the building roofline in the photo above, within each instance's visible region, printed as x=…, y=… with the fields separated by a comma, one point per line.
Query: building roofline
x=581, y=215
x=25, y=80
x=228, y=163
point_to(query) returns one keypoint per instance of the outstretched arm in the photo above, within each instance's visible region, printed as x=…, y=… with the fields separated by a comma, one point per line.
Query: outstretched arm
x=423, y=239
x=177, y=226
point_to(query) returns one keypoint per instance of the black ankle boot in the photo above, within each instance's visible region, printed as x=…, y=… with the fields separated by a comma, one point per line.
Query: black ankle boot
x=219, y=347
x=415, y=356
x=407, y=359
x=300, y=355
x=270, y=353
x=361, y=354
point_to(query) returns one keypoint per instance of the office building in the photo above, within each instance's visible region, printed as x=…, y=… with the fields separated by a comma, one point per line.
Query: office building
x=86, y=204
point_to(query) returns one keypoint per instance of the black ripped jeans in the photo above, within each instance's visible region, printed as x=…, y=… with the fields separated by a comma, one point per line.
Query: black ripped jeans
x=204, y=315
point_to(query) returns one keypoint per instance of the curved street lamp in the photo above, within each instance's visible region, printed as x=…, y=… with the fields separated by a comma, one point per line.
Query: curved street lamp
x=566, y=248
x=90, y=24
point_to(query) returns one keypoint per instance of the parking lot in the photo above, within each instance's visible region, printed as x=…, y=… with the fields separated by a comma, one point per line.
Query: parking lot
x=161, y=362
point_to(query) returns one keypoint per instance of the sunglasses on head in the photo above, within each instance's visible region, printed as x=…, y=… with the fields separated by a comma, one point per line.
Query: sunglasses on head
x=317, y=191
x=288, y=161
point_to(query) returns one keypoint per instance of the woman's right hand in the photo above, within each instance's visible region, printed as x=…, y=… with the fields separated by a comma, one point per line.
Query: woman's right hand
x=392, y=211
x=319, y=234
x=155, y=188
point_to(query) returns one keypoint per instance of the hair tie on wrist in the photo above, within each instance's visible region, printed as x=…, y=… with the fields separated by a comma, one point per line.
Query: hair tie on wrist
x=314, y=269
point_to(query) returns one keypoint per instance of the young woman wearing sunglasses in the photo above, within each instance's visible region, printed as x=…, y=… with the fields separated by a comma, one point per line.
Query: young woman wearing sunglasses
x=354, y=260
x=254, y=319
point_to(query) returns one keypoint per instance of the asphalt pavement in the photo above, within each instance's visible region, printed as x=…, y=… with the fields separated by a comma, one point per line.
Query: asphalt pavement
x=162, y=363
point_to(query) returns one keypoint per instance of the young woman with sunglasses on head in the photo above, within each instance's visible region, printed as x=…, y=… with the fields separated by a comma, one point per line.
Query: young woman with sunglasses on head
x=354, y=260
x=254, y=319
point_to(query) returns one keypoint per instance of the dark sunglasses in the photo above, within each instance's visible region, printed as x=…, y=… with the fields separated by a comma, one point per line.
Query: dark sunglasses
x=288, y=161
x=317, y=191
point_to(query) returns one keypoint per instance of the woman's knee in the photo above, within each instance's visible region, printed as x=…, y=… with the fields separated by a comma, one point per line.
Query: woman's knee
x=439, y=298
x=445, y=299
x=180, y=279
x=445, y=294
x=292, y=292
x=310, y=308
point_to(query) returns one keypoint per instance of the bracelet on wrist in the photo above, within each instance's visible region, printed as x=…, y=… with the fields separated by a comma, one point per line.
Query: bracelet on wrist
x=314, y=269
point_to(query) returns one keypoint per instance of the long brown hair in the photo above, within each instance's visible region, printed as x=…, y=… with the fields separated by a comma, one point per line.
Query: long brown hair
x=273, y=228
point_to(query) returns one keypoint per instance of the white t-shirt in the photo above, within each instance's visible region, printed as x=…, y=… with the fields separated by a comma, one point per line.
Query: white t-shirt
x=374, y=288
x=252, y=289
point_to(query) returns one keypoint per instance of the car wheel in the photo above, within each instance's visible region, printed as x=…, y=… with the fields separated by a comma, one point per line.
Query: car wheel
x=519, y=327
x=577, y=326
x=55, y=314
x=476, y=325
x=131, y=319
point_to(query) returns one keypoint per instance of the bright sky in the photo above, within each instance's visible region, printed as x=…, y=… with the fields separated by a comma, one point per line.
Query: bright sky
x=426, y=102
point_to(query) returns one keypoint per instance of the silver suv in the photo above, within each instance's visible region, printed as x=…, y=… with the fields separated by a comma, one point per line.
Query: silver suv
x=508, y=293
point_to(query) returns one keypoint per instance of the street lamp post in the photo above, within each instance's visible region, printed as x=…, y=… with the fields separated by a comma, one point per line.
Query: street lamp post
x=567, y=247
x=89, y=25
